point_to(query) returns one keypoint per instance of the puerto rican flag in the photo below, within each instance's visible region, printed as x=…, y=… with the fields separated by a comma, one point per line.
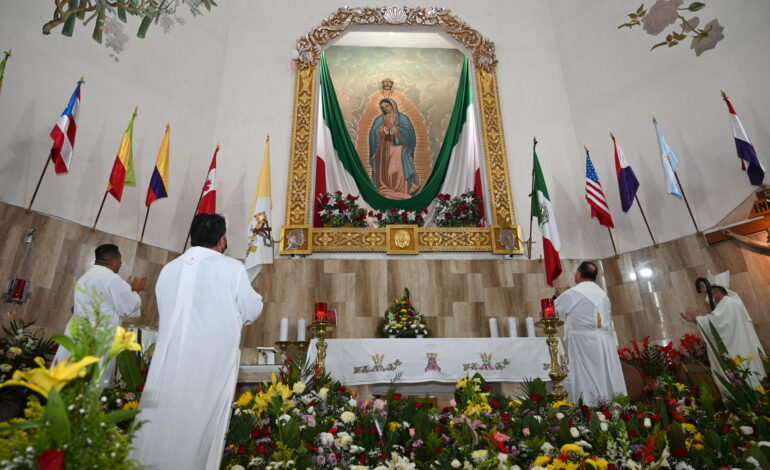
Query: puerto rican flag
x=746, y=152
x=208, y=204
x=63, y=133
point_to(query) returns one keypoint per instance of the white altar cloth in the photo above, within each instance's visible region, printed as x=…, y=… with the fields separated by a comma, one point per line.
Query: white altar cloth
x=371, y=361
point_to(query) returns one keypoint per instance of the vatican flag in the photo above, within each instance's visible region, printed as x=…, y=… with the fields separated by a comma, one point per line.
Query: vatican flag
x=260, y=239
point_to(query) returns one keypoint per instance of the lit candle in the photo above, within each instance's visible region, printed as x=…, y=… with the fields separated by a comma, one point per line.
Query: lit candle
x=530, y=327
x=331, y=316
x=283, y=334
x=301, y=330
x=493, y=333
x=546, y=307
x=512, y=327
x=320, y=312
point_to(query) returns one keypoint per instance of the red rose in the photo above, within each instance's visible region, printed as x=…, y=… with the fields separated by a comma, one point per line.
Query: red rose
x=372, y=431
x=448, y=215
x=725, y=428
x=342, y=206
x=505, y=416
x=350, y=197
x=358, y=430
x=338, y=193
x=241, y=450
x=487, y=387
x=631, y=433
x=438, y=429
x=680, y=452
x=393, y=210
x=362, y=459
x=143, y=372
x=379, y=216
x=332, y=431
x=51, y=459
x=140, y=388
x=494, y=403
x=342, y=389
x=438, y=451
x=625, y=416
x=535, y=397
x=261, y=449
x=362, y=215
x=564, y=456
x=418, y=404
x=312, y=449
x=256, y=433
x=265, y=431
x=396, y=396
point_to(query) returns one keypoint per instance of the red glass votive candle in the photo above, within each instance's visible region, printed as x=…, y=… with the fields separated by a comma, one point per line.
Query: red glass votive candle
x=331, y=316
x=320, y=312
x=18, y=289
x=546, y=307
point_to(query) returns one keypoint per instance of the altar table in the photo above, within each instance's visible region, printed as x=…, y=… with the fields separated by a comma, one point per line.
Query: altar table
x=443, y=360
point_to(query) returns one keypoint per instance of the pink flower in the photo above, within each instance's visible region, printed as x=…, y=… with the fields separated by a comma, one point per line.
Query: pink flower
x=525, y=431
x=411, y=432
x=452, y=403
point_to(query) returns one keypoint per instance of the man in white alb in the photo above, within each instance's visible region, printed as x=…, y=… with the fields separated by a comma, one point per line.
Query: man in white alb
x=120, y=299
x=204, y=299
x=733, y=323
x=594, y=366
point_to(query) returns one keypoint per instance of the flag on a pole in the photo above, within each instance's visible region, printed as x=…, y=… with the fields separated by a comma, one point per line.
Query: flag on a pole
x=546, y=219
x=123, y=169
x=670, y=162
x=746, y=152
x=2, y=67
x=627, y=182
x=595, y=196
x=158, y=188
x=208, y=204
x=260, y=242
x=63, y=133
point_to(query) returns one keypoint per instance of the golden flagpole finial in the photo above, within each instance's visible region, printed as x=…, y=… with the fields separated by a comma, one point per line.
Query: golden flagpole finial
x=82, y=79
x=136, y=110
x=8, y=53
x=534, y=140
x=268, y=139
x=217, y=145
x=724, y=95
x=168, y=126
x=612, y=136
x=586, y=148
x=654, y=121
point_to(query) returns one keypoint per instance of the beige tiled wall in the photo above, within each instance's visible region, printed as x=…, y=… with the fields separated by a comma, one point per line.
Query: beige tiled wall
x=456, y=295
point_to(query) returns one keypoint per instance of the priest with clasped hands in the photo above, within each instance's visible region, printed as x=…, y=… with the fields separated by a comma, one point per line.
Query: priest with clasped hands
x=594, y=367
x=733, y=323
x=204, y=300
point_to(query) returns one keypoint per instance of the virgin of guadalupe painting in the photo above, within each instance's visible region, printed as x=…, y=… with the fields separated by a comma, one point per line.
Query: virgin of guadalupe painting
x=392, y=143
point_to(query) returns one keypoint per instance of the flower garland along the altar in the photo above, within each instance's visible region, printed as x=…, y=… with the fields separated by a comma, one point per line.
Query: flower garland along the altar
x=401, y=320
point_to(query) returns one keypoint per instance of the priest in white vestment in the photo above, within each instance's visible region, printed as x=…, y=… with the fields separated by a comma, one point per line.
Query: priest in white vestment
x=204, y=299
x=594, y=367
x=733, y=323
x=119, y=299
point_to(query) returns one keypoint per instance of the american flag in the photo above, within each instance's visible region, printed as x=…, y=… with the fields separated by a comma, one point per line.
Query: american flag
x=595, y=196
x=63, y=133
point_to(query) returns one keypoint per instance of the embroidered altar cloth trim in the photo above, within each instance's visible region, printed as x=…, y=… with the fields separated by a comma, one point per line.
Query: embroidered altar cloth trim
x=370, y=361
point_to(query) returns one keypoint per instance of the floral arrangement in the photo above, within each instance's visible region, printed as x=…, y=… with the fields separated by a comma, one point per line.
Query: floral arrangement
x=651, y=359
x=395, y=216
x=337, y=210
x=65, y=425
x=694, y=349
x=459, y=211
x=665, y=13
x=19, y=347
x=305, y=420
x=402, y=320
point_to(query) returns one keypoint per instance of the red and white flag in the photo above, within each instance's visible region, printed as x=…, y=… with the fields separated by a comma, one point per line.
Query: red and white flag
x=63, y=133
x=595, y=196
x=208, y=204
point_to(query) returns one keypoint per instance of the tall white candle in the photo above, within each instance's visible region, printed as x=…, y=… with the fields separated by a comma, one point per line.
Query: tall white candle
x=531, y=327
x=284, y=330
x=512, y=327
x=301, y=330
x=493, y=333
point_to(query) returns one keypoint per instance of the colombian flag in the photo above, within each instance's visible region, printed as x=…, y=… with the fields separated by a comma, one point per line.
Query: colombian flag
x=159, y=182
x=123, y=168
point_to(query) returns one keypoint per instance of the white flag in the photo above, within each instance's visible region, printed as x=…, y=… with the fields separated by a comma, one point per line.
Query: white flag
x=260, y=240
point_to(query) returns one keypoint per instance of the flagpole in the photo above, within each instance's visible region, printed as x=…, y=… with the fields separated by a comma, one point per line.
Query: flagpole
x=639, y=204
x=93, y=229
x=531, y=195
x=684, y=196
x=42, y=174
x=197, y=206
x=613, y=242
x=141, y=238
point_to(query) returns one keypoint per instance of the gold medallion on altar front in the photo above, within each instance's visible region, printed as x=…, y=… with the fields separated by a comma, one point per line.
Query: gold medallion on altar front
x=402, y=239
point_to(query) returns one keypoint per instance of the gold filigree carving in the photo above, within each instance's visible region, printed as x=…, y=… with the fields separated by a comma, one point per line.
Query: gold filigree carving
x=309, y=47
x=299, y=202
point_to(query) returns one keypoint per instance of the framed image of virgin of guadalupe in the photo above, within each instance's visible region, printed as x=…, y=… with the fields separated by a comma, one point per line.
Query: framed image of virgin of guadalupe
x=392, y=136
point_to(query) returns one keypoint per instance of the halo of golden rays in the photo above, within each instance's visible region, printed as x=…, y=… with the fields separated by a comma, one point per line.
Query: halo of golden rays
x=423, y=159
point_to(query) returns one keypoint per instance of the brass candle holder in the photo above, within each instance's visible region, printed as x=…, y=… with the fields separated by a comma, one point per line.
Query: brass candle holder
x=283, y=348
x=320, y=331
x=557, y=373
x=301, y=350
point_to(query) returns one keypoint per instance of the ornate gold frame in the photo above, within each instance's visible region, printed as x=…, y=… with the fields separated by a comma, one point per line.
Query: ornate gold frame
x=299, y=202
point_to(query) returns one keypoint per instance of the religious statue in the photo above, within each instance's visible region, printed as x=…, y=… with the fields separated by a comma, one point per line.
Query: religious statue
x=391, y=152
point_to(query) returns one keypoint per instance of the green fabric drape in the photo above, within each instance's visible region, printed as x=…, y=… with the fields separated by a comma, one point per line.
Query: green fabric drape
x=346, y=151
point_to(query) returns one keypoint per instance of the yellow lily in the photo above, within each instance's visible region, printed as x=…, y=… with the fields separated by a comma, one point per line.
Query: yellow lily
x=123, y=341
x=244, y=399
x=42, y=379
x=573, y=448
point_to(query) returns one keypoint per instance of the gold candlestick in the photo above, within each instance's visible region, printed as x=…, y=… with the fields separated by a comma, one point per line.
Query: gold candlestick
x=320, y=330
x=301, y=347
x=557, y=373
x=283, y=347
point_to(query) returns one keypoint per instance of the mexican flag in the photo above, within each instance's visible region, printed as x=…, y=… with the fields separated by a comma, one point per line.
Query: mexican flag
x=546, y=219
x=338, y=167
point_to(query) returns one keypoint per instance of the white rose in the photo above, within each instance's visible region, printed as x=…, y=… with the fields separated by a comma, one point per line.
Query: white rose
x=647, y=422
x=573, y=431
x=352, y=403
x=746, y=430
x=323, y=393
x=560, y=415
x=347, y=417
x=456, y=464
x=298, y=387
x=603, y=426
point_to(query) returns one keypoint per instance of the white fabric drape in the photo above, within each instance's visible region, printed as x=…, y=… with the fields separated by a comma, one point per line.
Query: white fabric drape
x=204, y=299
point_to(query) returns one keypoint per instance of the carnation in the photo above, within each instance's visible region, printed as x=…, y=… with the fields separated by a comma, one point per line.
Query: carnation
x=348, y=417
